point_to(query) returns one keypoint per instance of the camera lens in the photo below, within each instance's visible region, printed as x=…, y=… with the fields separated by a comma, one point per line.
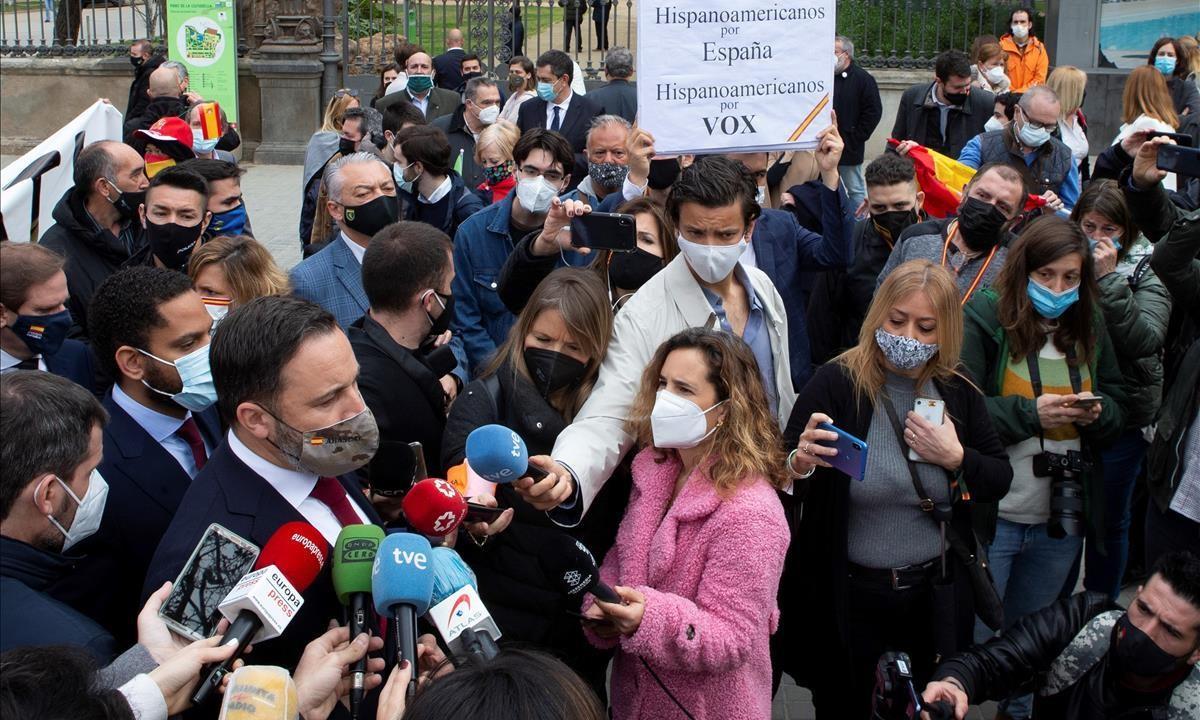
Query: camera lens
x=1066, y=509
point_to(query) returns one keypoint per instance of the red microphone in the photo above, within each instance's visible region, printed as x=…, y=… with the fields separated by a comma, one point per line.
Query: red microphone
x=266, y=599
x=434, y=507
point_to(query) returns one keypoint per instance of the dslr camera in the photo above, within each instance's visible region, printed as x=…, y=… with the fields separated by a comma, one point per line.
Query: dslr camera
x=1066, y=490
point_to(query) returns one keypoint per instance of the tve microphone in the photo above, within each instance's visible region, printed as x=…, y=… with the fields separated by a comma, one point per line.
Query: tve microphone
x=458, y=612
x=263, y=602
x=401, y=585
x=434, y=507
x=569, y=563
x=260, y=692
x=499, y=455
x=353, y=558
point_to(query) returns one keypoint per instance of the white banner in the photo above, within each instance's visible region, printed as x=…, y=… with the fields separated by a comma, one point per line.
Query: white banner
x=734, y=75
x=50, y=167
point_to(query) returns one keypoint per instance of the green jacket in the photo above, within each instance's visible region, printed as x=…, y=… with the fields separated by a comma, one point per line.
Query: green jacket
x=1136, y=319
x=984, y=346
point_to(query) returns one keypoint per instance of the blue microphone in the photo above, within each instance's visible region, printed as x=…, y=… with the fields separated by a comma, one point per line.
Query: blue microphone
x=499, y=455
x=401, y=586
x=450, y=574
x=457, y=611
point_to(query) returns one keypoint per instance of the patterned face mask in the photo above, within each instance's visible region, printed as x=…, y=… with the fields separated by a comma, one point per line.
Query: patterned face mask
x=904, y=353
x=330, y=451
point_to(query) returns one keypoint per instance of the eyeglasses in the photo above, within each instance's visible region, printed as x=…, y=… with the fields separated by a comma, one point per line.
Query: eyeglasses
x=531, y=172
x=346, y=91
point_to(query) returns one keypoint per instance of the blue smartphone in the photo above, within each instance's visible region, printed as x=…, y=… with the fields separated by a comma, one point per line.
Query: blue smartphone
x=852, y=452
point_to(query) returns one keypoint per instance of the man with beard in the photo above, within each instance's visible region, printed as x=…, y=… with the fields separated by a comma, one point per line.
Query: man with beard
x=943, y=116
x=971, y=244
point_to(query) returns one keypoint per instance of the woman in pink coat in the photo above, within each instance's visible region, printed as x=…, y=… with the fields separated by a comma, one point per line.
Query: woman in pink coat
x=700, y=549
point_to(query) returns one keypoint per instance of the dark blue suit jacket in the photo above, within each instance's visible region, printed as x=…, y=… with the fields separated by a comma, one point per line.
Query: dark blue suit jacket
x=784, y=251
x=75, y=362
x=229, y=493
x=145, y=487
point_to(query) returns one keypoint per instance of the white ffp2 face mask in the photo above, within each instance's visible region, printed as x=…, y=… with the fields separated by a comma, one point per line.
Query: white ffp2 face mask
x=88, y=514
x=712, y=263
x=535, y=194
x=678, y=422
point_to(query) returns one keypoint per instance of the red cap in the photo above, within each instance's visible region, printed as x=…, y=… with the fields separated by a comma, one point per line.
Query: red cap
x=168, y=129
x=434, y=507
x=298, y=550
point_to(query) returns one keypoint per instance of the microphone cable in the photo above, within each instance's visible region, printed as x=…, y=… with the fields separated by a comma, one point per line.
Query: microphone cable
x=670, y=694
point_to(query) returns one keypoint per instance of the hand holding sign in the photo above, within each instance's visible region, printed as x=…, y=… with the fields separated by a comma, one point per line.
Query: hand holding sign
x=829, y=153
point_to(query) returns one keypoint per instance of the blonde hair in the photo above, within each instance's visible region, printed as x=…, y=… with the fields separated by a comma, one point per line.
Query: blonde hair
x=1192, y=48
x=335, y=111
x=582, y=300
x=502, y=135
x=1146, y=94
x=248, y=266
x=865, y=361
x=746, y=442
x=1069, y=83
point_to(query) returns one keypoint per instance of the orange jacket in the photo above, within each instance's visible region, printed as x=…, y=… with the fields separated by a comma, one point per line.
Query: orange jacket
x=1026, y=66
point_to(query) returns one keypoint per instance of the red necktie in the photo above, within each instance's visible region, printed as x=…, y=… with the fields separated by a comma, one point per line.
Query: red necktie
x=190, y=432
x=330, y=493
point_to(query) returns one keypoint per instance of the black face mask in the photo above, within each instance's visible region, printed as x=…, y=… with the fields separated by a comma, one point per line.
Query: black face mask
x=552, y=371
x=631, y=270
x=980, y=224
x=127, y=203
x=136, y=61
x=956, y=99
x=369, y=218
x=441, y=323
x=1132, y=651
x=346, y=146
x=172, y=244
x=471, y=75
x=890, y=224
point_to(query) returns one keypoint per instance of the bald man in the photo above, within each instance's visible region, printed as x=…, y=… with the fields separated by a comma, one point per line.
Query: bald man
x=449, y=64
x=165, y=100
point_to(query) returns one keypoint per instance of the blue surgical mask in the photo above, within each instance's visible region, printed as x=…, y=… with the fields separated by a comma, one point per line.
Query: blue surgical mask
x=202, y=146
x=1031, y=136
x=398, y=176
x=1115, y=240
x=43, y=334
x=199, y=391
x=228, y=223
x=1165, y=64
x=1048, y=303
x=545, y=91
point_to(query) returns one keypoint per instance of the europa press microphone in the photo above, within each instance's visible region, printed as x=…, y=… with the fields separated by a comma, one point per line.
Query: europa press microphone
x=569, y=563
x=499, y=455
x=457, y=610
x=401, y=586
x=265, y=600
x=353, y=558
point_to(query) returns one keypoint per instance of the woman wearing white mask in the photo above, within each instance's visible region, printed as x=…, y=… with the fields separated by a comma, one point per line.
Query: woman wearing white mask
x=700, y=550
x=987, y=72
x=875, y=546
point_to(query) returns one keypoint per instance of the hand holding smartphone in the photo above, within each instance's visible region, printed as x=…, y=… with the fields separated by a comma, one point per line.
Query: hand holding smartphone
x=1087, y=403
x=932, y=411
x=219, y=561
x=604, y=231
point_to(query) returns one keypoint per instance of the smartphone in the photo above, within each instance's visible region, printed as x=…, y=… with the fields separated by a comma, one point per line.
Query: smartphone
x=1179, y=160
x=482, y=513
x=1088, y=402
x=934, y=411
x=1180, y=138
x=604, y=231
x=217, y=564
x=852, y=452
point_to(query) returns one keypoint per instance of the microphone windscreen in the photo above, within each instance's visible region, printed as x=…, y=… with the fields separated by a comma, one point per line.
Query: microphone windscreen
x=260, y=692
x=353, y=559
x=450, y=574
x=434, y=507
x=497, y=454
x=298, y=550
x=401, y=574
x=569, y=563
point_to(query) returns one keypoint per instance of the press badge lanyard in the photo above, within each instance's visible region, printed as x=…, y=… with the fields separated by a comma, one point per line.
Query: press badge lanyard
x=979, y=277
x=1035, y=379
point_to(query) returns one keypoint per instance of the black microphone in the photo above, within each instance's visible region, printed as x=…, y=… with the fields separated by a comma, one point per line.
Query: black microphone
x=570, y=564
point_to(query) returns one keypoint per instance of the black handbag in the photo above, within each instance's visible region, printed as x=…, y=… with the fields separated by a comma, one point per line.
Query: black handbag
x=989, y=606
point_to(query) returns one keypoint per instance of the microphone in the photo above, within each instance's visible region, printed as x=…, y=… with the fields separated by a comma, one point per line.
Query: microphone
x=434, y=507
x=572, y=566
x=401, y=585
x=352, y=562
x=260, y=692
x=458, y=613
x=265, y=600
x=499, y=455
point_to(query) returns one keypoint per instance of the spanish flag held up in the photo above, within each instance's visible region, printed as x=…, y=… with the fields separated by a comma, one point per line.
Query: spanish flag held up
x=941, y=179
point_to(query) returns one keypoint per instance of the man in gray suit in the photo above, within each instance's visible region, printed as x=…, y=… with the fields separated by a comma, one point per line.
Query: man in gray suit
x=618, y=96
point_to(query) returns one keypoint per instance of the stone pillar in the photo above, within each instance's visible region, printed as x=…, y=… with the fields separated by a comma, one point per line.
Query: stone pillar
x=287, y=63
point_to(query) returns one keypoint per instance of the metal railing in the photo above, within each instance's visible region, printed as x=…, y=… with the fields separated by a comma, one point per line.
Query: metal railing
x=77, y=27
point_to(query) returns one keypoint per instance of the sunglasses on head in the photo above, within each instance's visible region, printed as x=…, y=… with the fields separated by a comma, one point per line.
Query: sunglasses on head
x=346, y=91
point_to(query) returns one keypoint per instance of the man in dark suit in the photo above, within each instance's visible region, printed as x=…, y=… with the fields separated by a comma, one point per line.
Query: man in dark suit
x=617, y=97
x=285, y=375
x=432, y=101
x=34, y=320
x=481, y=109
x=448, y=65
x=362, y=201
x=559, y=109
x=945, y=114
x=151, y=334
x=856, y=101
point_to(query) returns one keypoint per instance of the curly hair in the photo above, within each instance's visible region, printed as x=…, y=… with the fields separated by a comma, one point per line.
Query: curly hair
x=124, y=310
x=746, y=443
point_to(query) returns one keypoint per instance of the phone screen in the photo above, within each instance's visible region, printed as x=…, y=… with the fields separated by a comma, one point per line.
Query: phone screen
x=218, y=562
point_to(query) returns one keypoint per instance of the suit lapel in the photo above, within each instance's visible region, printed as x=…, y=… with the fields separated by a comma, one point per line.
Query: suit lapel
x=764, y=249
x=147, y=464
x=209, y=423
x=349, y=272
x=249, y=494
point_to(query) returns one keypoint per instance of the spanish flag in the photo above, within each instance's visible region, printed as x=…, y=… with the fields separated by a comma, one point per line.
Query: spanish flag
x=941, y=179
x=210, y=120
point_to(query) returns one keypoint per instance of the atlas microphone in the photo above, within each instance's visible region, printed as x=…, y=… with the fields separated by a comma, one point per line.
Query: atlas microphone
x=353, y=559
x=265, y=600
x=434, y=507
x=457, y=612
x=499, y=455
x=401, y=586
x=570, y=564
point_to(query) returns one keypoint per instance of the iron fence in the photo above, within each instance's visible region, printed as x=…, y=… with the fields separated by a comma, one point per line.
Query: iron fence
x=77, y=27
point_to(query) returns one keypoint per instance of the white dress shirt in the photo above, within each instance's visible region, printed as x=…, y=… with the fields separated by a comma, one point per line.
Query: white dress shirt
x=294, y=486
x=358, y=250
x=562, y=113
x=421, y=103
x=8, y=362
x=162, y=428
x=438, y=193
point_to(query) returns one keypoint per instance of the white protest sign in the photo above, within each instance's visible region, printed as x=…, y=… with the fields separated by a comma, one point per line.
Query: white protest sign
x=734, y=75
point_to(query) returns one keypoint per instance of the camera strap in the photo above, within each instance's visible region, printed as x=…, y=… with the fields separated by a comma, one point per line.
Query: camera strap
x=1035, y=380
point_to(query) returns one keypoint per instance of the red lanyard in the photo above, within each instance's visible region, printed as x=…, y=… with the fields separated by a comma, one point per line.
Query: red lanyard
x=979, y=277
